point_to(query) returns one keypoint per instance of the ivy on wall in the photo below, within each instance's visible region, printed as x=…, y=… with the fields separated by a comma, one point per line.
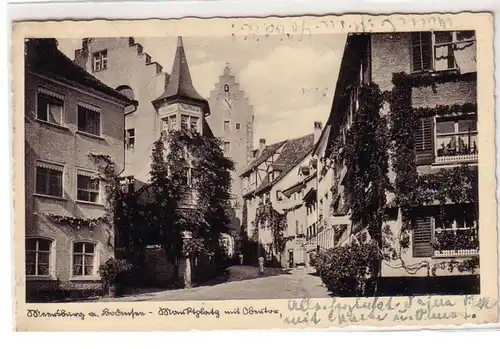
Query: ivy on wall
x=268, y=216
x=366, y=158
x=189, y=191
x=369, y=145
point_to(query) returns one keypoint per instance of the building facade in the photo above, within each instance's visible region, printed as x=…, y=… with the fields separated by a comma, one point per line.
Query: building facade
x=232, y=120
x=123, y=64
x=276, y=167
x=435, y=74
x=69, y=115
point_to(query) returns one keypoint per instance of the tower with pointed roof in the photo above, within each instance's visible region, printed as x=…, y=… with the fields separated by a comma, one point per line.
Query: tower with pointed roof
x=180, y=106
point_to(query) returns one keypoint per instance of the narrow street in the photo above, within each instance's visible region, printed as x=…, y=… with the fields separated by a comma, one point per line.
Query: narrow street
x=243, y=283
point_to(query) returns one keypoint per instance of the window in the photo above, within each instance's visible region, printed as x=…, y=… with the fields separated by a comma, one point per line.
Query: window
x=38, y=257
x=87, y=188
x=89, y=120
x=49, y=179
x=226, y=126
x=130, y=138
x=421, y=43
x=100, y=60
x=226, y=88
x=455, y=231
x=173, y=122
x=227, y=147
x=279, y=195
x=49, y=109
x=164, y=124
x=442, y=50
x=84, y=258
x=237, y=126
x=194, y=123
x=184, y=122
x=456, y=139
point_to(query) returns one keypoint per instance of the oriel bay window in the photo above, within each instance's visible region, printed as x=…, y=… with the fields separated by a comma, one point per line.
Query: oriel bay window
x=89, y=119
x=88, y=187
x=49, y=179
x=84, y=254
x=38, y=257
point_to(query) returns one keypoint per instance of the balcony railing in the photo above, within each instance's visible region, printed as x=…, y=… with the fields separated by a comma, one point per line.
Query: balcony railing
x=456, y=242
x=456, y=148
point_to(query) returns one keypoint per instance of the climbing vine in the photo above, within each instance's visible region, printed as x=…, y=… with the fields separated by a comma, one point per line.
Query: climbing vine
x=456, y=185
x=372, y=142
x=189, y=191
x=365, y=154
x=108, y=174
x=267, y=215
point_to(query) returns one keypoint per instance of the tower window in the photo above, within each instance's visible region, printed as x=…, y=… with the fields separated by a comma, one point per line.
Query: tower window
x=184, y=122
x=130, y=138
x=226, y=88
x=100, y=60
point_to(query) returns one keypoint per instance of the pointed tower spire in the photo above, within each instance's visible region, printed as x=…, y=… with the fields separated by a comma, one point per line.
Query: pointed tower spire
x=179, y=86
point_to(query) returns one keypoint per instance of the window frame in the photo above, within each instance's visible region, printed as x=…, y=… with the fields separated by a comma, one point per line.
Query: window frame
x=95, y=262
x=433, y=46
x=54, y=96
x=88, y=108
x=50, y=164
x=455, y=119
x=238, y=126
x=101, y=58
x=92, y=175
x=128, y=138
x=228, y=147
x=227, y=126
x=52, y=258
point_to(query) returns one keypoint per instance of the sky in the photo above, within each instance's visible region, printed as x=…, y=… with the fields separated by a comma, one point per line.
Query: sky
x=290, y=83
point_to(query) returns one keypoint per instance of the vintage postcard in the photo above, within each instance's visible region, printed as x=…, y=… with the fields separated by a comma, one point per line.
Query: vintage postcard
x=255, y=173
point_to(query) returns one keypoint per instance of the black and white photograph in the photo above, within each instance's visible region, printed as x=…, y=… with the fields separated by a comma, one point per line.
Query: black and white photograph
x=251, y=167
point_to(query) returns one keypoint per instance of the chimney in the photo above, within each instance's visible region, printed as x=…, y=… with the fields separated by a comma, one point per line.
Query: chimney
x=82, y=54
x=262, y=144
x=317, y=131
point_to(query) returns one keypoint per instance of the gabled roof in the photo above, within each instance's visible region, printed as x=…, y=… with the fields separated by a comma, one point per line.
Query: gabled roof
x=179, y=86
x=293, y=152
x=356, y=44
x=268, y=151
x=43, y=57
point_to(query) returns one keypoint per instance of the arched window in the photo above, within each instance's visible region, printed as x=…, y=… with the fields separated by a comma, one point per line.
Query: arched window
x=38, y=259
x=126, y=91
x=226, y=88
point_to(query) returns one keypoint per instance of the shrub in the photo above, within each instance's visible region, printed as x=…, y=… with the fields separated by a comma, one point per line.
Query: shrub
x=350, y=270
x=113, y=271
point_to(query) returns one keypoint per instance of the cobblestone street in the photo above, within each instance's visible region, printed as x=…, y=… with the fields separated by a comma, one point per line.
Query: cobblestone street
x=243, y=283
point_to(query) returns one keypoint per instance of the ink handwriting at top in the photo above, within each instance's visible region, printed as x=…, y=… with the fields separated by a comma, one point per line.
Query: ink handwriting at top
x=299, y=29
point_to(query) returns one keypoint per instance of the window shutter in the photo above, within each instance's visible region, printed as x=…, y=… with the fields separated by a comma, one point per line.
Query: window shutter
x=424, y=142
x=422, y=237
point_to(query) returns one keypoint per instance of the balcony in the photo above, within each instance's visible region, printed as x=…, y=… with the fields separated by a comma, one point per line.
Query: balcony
x=456, y=148
x=456, y=242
